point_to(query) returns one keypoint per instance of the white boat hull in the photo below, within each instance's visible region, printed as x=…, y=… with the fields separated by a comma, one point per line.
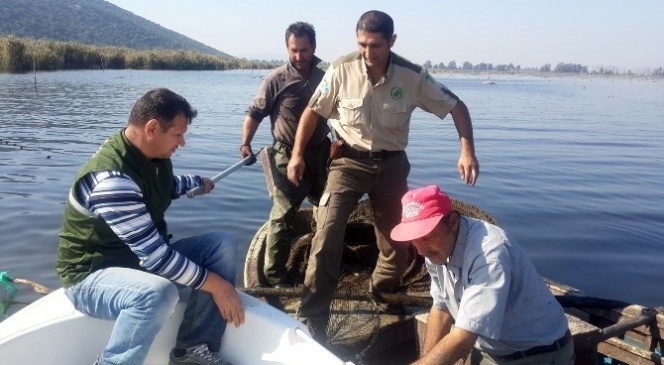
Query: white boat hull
x=51, y=332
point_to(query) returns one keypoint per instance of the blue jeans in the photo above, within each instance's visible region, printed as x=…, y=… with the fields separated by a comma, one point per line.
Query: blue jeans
x=140, y=302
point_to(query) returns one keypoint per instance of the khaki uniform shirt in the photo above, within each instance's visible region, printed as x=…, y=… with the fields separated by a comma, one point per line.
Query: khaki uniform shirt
x=377, y=117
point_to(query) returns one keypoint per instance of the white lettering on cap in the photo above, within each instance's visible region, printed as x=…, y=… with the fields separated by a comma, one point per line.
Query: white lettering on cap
x=412, y=209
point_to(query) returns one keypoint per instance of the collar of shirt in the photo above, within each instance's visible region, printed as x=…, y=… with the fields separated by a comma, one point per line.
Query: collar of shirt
x=383, y=79
x=314, y=63
x=150, y=167
x=460, y=247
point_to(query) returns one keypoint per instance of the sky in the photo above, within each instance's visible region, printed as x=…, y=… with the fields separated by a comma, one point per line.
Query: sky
x=596, y=33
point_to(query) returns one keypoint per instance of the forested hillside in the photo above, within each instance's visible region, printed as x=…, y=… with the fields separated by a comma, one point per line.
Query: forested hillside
x=94, y=22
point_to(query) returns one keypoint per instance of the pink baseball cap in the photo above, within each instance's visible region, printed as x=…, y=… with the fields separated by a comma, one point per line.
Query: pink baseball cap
x=423, y=208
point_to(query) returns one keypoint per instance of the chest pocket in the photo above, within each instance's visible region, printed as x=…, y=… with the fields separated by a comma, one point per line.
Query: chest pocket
x=395, y=115
x=351, y=112
x=291, y=107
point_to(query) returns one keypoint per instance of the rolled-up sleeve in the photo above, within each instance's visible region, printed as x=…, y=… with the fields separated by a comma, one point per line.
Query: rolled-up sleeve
x=263, y=103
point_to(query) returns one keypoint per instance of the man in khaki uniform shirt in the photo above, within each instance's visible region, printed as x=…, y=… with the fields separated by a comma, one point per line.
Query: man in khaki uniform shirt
x=368, y=97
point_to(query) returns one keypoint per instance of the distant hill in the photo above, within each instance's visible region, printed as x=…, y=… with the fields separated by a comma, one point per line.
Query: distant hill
x=94, y=22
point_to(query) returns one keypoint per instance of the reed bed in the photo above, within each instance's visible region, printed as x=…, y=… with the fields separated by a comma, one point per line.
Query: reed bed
x=18, y=55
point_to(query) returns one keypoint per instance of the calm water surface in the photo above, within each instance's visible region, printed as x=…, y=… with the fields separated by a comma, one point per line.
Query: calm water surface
x=571, y=167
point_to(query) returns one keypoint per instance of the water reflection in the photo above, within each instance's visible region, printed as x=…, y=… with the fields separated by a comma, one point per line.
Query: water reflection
x=572, y=168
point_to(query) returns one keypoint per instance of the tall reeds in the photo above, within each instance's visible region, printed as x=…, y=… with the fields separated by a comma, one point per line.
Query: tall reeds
x=22, y=55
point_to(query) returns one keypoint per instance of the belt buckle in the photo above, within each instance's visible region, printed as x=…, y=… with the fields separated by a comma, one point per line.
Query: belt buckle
x=376, y=156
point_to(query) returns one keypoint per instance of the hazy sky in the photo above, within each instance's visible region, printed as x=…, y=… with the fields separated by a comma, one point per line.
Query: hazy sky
x=594, y=33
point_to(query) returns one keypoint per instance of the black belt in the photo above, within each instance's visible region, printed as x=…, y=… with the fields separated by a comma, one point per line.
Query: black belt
x=350, y=152
x=537, y=350
x=289, y=148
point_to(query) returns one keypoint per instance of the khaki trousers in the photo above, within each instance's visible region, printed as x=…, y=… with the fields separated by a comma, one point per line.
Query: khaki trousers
x=385, y=181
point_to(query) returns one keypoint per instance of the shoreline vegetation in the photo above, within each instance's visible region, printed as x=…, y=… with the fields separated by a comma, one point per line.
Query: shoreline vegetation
x=561, y=69
x=22, y=55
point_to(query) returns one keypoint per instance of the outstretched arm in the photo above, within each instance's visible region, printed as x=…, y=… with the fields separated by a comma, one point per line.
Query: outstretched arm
x=469, y=167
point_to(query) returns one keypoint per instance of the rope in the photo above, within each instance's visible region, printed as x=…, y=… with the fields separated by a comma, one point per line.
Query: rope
x=38, y=288
x=8, y=290
x=397, y=298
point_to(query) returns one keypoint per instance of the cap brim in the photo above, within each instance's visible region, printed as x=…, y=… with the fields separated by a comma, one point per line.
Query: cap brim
x=416, y=229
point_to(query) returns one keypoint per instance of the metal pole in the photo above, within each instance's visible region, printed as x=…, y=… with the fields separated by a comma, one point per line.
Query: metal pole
x=245, y=161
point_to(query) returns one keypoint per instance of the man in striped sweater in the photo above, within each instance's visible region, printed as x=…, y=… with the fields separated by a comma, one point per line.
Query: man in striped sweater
x=115, y=259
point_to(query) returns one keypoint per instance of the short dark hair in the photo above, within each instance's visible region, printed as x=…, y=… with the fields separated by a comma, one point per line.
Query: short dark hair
x=302, y=29
x=161, y=104
x=375, y=21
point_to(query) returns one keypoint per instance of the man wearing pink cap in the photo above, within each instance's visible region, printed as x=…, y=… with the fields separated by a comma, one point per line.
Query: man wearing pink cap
x=489, y=302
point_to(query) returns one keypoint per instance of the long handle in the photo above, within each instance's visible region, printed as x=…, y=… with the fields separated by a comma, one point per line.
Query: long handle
x=245, y=161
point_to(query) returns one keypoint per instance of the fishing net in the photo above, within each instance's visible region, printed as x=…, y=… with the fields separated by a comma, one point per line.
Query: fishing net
x=7, y=292
x=354, y=320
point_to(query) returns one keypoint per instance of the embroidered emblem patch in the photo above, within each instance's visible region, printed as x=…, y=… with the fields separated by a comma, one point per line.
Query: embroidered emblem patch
x=325, y=88
x=412, y=209
x=396, y=93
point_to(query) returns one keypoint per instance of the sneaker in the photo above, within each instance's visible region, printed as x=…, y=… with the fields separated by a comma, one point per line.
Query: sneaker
x=197, y=355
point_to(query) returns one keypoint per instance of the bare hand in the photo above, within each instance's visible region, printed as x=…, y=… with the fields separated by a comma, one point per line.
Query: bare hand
x=245, y=150
x=208, y=186
x=469, y=168
x=296, y=170
x=228, y=302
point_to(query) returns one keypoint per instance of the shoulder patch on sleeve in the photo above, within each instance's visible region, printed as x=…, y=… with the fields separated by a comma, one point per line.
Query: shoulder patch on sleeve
x=402, y=62
x=347, y=58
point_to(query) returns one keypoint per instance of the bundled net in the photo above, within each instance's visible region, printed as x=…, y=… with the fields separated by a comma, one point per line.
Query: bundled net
x=354, y=320
x=359, y=257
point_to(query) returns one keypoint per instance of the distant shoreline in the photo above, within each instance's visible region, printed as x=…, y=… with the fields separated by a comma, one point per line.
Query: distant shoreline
x=490, y=74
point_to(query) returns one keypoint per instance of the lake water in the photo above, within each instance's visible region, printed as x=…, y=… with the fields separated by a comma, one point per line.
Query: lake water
x=571, y=167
